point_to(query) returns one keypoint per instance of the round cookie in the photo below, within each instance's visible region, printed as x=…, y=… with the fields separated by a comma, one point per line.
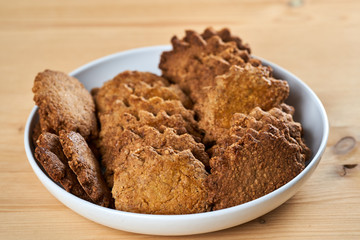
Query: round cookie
x=64, y=104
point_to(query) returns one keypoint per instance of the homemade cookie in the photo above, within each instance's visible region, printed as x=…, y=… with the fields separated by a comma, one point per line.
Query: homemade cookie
x=149, y=136
x=238, y=91
x=64, y=104
x=252, y=167
x=226, y=36
x=196, y=60
x=136, y=112
x=141, y=84
x=212, y=132
x=160, y=181
x=86, y=167
x=50, y=155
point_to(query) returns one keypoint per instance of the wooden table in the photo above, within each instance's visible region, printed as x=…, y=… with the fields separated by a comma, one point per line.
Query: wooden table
x=316, y=40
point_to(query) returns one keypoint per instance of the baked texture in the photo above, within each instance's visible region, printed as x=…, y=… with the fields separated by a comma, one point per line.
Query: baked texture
x=154, y=129
x=253, y=166
x=135, y=99
x=149, y=136
x=141, y=84
x=275, y=121
x=86, y=167
x=50, y=155
x=160, y=181
x=238, y=91
x=197, y=59
x=226, y=36
x=283, y=121
x=64, y=104
x=123, y=117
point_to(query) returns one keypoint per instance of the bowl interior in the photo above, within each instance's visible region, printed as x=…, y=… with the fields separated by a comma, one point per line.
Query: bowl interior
x=309, y=111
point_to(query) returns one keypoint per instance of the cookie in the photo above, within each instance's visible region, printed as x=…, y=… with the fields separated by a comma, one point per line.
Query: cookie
x=149, y=136
x=226, y=36
x=238, y=91
x=160, y=181
x=141, y=84
x=50, y=155
x=86, y=167
x=252, y=167
x=64, y=104
x=197, y=59
x=138, y=111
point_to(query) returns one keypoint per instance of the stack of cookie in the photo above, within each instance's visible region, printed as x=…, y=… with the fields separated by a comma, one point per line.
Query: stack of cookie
x=143, y=119
x=210, y=133
x=67, y=120
x=261, y=150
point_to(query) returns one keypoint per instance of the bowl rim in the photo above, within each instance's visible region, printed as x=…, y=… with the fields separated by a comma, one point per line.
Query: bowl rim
x=43, y=177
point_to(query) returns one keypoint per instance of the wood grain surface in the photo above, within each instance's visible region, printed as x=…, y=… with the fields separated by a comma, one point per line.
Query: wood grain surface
x=316, y=40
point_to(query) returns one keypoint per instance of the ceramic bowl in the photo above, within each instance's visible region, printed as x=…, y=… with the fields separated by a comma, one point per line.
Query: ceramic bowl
x=309, y=111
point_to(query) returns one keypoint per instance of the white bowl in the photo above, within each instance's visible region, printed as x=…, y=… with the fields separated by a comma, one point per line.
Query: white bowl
x=309, y=111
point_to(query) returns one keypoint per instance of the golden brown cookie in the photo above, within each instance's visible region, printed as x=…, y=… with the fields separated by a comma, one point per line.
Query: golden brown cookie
x=171, y=113
x=49, y=153
x=160, y=181
x=238, y=91
x=141, y=84
x=275, y=121
x=64, y=104
x=149, y=136
x=133, y=99
x=196, y=60
x=284, y=122
x=153, y=130
x=137, y=112
x=86, y=167
x=226, y=36
x=252, y=167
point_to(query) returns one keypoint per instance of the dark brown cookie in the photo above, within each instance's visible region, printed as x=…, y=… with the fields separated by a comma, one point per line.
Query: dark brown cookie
x=64, y=104
x=49, y=153
x=275, y=117
x=274, y=121
x=86, y=167
x=287, y=109
x=283, y=120
x=252, y=167
x=36, y=133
